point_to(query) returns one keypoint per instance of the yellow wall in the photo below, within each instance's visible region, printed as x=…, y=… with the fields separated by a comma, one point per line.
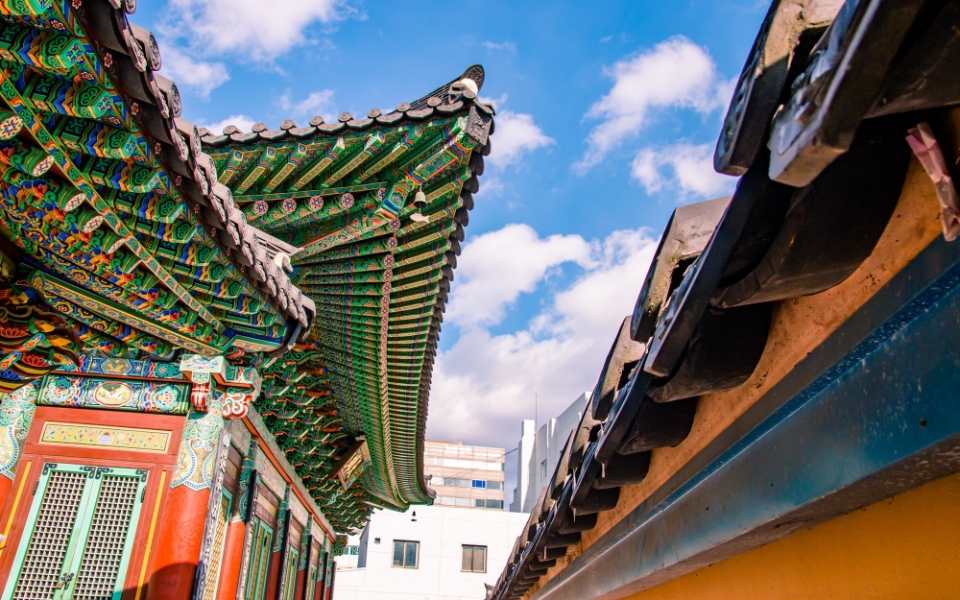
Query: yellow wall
x=906, y=547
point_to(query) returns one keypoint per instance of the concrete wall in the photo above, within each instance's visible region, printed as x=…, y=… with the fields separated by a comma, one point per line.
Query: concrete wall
x=540, y=453
x=442, y=532
x=524, y=453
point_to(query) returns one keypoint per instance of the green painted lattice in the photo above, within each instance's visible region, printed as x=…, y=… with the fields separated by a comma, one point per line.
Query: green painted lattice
x=79, y=534
x=311, y=581
x=290, y=573
x=259, y=559
x=216, y=552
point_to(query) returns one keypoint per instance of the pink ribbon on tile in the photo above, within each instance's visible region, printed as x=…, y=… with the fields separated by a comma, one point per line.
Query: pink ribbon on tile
x=924, y=145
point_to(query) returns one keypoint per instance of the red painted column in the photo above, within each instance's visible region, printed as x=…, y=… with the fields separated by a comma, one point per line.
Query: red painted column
x=16, y=416
x=232, y=560
x=178, y=543
x=184, y=516
x=235, y=547
x=301, y=584
x=273, y=576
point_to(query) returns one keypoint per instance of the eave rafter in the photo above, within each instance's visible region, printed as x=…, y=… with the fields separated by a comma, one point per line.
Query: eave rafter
x=377, y=266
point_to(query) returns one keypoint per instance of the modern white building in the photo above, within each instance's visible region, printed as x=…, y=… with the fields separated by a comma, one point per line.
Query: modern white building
x=538, y=453
x=427, y=553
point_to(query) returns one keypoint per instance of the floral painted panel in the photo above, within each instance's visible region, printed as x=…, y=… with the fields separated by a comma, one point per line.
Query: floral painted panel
x=132, y=395
x=97, y=365
x=121, y=438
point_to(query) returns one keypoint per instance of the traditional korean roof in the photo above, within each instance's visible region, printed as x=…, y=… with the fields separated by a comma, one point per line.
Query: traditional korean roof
x=378, y=267
x=108, y=195
x=151, y=238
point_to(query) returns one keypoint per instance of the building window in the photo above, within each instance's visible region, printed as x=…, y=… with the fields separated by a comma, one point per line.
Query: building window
x=543, y=469
x=494, y=503
x=352, y=551
x=376, y=540
x=494, y=485
x=474, y=559
x=478, y=483
x=406, y=554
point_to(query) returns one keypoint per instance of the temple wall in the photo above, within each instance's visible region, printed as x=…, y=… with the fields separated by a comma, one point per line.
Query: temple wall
x=201, y=483
x=923, y=524
x=96, y=439
x=799, y=326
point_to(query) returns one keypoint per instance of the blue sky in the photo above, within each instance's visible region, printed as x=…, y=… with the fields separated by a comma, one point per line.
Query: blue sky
x=607, y=116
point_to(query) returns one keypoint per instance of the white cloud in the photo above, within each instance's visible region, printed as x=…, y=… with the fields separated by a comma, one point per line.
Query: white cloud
x=497, y=102
x=198, y=76
x=243, y=122
x=317, y=103
x=684, y=167
x=491, y=186
x=249, y=29
x=505, y=45
x=674, y=73
x=515, y=135
x=485, y=384
x=498, y=266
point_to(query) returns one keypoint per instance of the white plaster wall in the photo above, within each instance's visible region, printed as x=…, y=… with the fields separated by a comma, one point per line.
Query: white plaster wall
x=441, y=531
x=524, y=454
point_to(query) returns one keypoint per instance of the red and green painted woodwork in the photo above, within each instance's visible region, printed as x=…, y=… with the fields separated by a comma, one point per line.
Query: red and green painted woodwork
x=16, y=414
x=96, y=513
x=302, y=587
x=280, y=543
x=343, y=193
x=237, y=387
x=144, y=252
x=34, y=339
x=105, y=188
x=236, y=550
x=184, y=518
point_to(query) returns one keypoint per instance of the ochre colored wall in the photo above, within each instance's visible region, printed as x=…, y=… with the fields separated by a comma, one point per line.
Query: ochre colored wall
x=906, y=547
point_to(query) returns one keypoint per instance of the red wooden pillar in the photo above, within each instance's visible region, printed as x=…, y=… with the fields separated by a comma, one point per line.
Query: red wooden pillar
x=184, y=516
x=16, y=415
x=235, y=549
x=301, y=584
x=232, y=560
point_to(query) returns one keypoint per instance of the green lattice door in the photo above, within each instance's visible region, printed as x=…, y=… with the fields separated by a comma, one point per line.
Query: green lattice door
x=259, y=559
x=79, y=534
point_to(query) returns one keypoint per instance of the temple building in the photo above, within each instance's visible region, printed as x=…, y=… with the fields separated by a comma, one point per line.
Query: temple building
x=778, y=417
x=215, y=350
